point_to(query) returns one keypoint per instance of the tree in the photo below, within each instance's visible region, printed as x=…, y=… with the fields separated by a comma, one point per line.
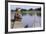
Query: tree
x=30, y=9
x=23, y=10
x=38, y=9
x=13, y=10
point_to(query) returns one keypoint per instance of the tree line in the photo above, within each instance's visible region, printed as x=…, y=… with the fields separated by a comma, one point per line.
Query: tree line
x=31, y=9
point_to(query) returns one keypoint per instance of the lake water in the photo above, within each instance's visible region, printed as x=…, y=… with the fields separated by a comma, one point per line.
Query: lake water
x=31, y=21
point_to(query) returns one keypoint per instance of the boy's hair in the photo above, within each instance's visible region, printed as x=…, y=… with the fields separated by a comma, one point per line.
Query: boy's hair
x=16, y=9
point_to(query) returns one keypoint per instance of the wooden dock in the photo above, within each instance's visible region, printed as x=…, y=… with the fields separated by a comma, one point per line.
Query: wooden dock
x=18, y=24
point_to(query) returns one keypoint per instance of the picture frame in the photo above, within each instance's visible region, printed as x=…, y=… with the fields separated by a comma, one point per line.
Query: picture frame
x=21, y=3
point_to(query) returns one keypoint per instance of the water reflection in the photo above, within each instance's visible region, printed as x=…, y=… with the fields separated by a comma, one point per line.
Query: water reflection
x=31, y=21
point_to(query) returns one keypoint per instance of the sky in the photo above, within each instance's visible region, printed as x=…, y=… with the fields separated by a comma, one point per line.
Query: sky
x=13, y=7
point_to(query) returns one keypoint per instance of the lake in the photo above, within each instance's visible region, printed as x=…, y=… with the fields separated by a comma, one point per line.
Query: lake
x=31, y=21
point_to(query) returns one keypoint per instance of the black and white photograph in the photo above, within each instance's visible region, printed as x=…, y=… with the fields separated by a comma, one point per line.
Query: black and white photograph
x=25, y=16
